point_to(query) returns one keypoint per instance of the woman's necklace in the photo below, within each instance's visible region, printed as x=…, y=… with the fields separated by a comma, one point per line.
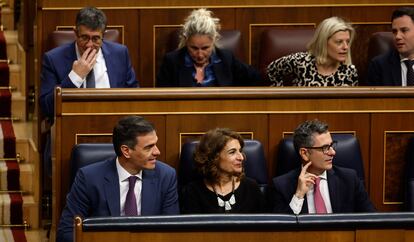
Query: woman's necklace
x=226, y=204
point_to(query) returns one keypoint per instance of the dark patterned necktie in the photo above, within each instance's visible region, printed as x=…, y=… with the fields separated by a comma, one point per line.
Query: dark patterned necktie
x=131, y=201
x=410, y=72
x=90, y=80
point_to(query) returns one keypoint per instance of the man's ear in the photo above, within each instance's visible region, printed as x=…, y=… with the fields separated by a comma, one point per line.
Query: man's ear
x=304, y=154
x=125, y=151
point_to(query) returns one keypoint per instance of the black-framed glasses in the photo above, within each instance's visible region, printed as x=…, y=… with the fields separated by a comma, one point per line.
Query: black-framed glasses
x=85, y=38
x=325, y=148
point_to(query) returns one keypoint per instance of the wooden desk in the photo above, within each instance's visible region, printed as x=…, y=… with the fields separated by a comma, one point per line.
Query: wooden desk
x=248, y=228
x=381, y=118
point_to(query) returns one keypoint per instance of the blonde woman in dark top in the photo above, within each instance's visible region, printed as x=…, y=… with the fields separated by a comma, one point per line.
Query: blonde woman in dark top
x=199, y=62
x=327, y=61
x=224, y=188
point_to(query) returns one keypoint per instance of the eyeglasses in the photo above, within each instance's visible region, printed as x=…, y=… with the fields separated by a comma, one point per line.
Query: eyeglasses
x=85, y=38
x=324, y=148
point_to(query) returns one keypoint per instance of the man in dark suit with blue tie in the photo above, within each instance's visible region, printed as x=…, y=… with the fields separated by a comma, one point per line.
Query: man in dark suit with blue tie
x=318, y=186
x=395, y=67
x=106, y=189
x=69, y=65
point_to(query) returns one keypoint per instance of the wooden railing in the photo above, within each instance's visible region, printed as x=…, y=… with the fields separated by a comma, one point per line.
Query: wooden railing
x=381, y=118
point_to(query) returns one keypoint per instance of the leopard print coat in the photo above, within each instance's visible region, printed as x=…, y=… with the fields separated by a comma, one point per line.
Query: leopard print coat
x=301, y=69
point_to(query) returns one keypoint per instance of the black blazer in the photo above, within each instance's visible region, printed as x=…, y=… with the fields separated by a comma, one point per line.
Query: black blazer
x=346, y=192
x=229, y=72
x=385, y=70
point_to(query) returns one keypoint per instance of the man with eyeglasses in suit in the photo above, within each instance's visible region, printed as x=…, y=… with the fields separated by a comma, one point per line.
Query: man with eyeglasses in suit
x=88, y=62
x=318, y=186
x=70, y=65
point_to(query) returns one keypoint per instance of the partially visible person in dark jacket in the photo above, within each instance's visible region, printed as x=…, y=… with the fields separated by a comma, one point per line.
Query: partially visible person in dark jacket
x=395, y=67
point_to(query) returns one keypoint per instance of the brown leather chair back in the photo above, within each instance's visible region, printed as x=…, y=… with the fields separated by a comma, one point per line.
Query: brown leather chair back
x=60, y=37
x=230, y=40
x=275, y=43
x=379, y=43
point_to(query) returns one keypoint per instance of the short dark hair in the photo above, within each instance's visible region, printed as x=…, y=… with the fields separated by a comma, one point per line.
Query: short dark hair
x=403, y=11
x=127, y=130
x=303, y=134
x=207, y=153
x=92, y=18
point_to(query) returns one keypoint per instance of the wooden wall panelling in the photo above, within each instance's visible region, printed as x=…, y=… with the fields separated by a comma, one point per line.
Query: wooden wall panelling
x=338, y=122
x=357, y=13
x=203, y=3
x=255, y=21
x=247, y=235
x=51, y=19
x=389, y=134
x=378, y=235
x=146, y=30
x=175, y=110
x=129, y=20
x=156, y=25
x=196, y=123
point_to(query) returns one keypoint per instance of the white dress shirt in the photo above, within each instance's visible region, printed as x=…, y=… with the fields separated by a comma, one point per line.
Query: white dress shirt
x=123, y=176
x=99, y=70
x=403, y=71
x=297, y=203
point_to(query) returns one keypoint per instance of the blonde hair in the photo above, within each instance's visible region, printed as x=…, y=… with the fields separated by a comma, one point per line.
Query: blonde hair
x=200, y=22
x=328, y=27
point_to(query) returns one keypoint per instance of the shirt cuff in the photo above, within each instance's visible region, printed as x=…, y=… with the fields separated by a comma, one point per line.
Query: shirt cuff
x=296, y=204
x=76, y=79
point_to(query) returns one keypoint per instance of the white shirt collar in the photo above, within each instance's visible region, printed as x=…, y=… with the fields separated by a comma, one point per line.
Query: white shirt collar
x=323, y=175
x=124, y=174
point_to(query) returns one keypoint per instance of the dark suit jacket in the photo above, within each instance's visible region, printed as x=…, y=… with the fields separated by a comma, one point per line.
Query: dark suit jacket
x=385, y=70
x=95, y=192
x=57, y=64
x=346, y=192
x=229, y=72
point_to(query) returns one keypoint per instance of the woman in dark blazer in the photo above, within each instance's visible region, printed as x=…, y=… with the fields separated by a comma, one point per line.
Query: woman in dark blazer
x=199, y=62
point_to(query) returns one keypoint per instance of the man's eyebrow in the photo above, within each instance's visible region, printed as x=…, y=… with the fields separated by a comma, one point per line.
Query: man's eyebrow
x=149, y=146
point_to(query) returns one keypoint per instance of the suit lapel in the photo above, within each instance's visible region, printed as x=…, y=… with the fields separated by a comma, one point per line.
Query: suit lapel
x=305, y=206
x=111, y=187
x=222, y=71
x=333, y=184
x=149, y=192
x=185, y=77
x=395, y=68
x=221, y=78
x=71, y=55
x=110, y=65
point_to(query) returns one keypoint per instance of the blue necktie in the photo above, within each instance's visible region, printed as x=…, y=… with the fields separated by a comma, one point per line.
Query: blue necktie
x=90, y=80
